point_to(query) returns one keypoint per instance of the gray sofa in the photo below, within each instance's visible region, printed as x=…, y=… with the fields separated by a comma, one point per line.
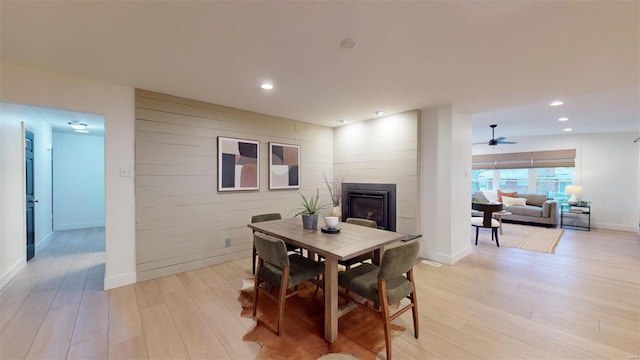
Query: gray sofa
x=538, y=210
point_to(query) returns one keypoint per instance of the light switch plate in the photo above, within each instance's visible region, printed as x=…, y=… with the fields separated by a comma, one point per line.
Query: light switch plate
x=126, y=171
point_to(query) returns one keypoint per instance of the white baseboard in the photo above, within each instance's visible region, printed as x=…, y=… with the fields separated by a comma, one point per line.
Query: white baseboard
x=616, y=227
x=446, y=258
x=75, y=226
x=120, y=280
x=13, y=270
x=43, y=241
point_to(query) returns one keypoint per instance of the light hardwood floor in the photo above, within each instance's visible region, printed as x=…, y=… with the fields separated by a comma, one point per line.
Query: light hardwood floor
x=498, y=303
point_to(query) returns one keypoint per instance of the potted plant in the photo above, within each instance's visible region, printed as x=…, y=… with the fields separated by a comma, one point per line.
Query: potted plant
x=309, y=208
x=335, y=192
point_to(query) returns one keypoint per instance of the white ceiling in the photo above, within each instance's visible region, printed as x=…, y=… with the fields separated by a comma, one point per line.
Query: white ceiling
x=56, y=118
x=503, y=62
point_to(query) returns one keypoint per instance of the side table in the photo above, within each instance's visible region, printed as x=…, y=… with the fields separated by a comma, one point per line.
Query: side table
x=579, y=214
x=498, y=215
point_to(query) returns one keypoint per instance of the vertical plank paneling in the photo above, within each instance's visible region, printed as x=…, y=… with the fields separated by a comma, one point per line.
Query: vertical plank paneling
x=383, y=150
x=182, y=221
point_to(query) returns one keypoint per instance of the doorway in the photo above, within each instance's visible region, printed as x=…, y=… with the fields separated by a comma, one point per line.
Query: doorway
x=30, y=198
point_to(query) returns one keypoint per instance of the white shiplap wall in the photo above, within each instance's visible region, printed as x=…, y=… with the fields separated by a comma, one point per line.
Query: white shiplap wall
x=384, y=150
x=182, y=221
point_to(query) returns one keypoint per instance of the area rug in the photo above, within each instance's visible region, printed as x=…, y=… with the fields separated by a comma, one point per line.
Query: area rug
x=532, y=238
x=361, y=334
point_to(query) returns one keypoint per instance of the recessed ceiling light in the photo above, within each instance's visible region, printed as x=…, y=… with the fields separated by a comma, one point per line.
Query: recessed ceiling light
x=567, y=129
x=266, y=86
x=556, y=103
x=76, y=125
x=342, y=121
x=379, y=112
x=348, y=44
x=563, y=119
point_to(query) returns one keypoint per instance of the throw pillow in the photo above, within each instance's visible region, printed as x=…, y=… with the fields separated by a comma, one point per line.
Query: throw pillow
x=510, y=201
x=509, y=194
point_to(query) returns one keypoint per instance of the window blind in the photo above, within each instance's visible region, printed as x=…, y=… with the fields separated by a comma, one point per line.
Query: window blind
x=525, y=160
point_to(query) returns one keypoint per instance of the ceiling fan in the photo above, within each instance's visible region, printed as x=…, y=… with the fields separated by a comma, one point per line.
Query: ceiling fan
x=494, y=141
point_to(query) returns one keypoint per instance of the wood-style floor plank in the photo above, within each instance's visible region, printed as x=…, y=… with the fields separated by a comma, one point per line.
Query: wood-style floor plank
x=199, y=338
x=583, y=302
x=54, y=336
x=95, y=348
x=17, y=337
x=135, y=348
x=93, y=317
x=162, y=336
x=124, y=316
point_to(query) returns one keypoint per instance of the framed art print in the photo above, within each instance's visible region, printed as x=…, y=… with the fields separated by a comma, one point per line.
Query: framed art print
x=284, y=166
x=238, y=164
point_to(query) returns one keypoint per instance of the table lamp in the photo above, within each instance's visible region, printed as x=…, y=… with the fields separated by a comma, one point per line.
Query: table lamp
x=575, y=191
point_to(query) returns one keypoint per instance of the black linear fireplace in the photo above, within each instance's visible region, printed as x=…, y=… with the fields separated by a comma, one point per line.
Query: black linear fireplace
x=370, y=201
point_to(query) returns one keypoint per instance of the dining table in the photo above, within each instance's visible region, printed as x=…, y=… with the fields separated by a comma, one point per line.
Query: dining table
x=352, y=240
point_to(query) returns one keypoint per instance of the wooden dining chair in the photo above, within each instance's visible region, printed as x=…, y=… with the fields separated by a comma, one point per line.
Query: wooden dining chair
x=383, y=285
x=364, y=257
x=268, y=217
x=487, y=220
x=278, y=268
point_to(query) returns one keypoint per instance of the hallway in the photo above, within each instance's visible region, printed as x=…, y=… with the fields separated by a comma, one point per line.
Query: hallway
x=61, y=287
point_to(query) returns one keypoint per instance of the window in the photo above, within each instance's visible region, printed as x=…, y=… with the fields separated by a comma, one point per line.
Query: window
x=514, y=180
x=552, y=181
x=548, y=181
x=481, y=180
x=537, y=172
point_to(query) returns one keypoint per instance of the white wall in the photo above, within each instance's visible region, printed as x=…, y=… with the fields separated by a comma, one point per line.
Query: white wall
x=31, y=86
x=445, y=158
x=12, y=198
x=78, y=181
x=384, y=150
x=11, y=116
x=606, y=167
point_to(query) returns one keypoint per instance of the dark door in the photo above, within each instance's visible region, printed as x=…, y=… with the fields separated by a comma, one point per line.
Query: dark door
x=31, y=247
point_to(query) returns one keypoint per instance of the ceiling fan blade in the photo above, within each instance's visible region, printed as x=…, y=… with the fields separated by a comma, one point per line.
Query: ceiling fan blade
x=480, y=143
x=501, y=138
x=507, y=142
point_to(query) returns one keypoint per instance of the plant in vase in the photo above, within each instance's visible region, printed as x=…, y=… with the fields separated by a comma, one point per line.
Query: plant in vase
x=335, y=192
x=310, y=209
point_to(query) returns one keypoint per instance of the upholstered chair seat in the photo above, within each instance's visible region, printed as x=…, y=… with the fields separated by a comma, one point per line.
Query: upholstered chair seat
x=279, y=269
x=268, y=217
x=487, y=220
x=384, y=285
x=478, y=221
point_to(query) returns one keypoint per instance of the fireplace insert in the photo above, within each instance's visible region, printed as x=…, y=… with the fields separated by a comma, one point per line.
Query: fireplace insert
x=370, y=201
